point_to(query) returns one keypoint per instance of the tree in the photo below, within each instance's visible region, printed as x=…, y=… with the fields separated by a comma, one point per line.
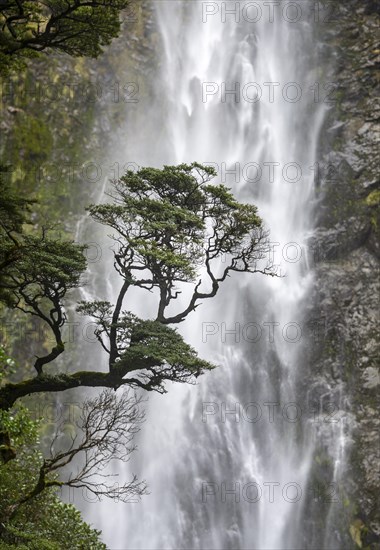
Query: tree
x=36, y=270
x=168, y=224
x=96, y=435
x=173, y=230
x=75, y=27
x=103, y=433
x=13, y=214
x=31, y=514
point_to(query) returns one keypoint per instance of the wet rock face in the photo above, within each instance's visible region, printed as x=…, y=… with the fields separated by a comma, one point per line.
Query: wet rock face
x=346, y=291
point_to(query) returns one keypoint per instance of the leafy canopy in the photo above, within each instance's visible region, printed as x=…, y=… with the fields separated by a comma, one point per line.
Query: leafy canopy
x=75, y=27
x=171, y=226
x=174, y=229
x=164, y=218
x=42, y=522
x=36, y=270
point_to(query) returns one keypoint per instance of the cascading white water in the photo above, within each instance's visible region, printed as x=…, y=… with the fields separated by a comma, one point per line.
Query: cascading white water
x=191, y=450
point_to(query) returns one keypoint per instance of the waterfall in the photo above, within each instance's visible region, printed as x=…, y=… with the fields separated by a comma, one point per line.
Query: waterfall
x=229, y=461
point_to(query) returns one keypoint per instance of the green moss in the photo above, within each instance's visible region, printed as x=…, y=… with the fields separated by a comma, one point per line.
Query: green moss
x=373, y=199
x=356, y=529
x=32, y=138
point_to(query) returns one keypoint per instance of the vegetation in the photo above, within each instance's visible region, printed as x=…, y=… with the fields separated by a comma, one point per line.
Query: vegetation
x=171, y=227
x=41, y=522
x=168, y=224
x=74, y=27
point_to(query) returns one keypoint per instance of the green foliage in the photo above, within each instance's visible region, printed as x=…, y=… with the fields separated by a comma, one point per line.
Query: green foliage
x=168, y=223
x=12, y=64
x=33, y=137
x=54, y=526
x=165, y=217
x=6, y=364
x=36, y=270
x=148, y=351
x=75, y=27
x=22, y=430
x=43, y=522
x=33, y=267
x=159, y=352
x=13, y=209
x=48, y=262
x=18, y=476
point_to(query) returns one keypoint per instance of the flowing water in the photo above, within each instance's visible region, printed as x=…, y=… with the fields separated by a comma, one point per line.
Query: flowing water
x=229, y=461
